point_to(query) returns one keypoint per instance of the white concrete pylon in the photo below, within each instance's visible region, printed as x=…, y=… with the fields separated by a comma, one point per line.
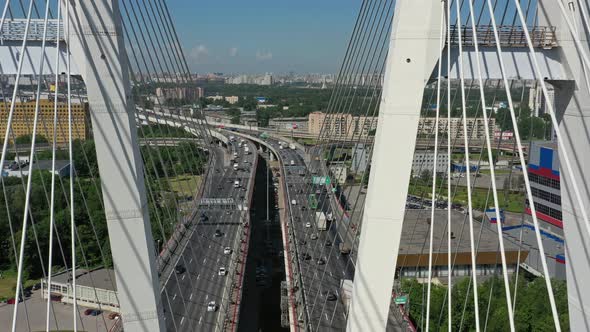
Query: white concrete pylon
x=96, y=44
x=413, y=54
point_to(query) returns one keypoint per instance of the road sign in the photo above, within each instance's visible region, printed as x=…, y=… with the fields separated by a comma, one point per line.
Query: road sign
x=401, y=299
x=321, y=180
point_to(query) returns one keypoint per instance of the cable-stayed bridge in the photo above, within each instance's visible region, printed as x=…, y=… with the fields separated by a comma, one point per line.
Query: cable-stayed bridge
x=143, y=215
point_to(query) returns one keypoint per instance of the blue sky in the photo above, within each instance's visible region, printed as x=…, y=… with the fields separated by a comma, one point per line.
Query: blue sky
x=260, y=36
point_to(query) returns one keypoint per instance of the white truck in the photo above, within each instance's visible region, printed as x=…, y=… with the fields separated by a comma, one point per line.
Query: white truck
x=246, y=150
x=345, y=293
x=236, y=184
x=320, y=218
x=236, y=166
x=292, y=146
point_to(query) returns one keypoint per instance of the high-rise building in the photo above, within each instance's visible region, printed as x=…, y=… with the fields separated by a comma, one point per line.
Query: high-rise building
x=544, y=177
x=24, y=111
x=475, y=127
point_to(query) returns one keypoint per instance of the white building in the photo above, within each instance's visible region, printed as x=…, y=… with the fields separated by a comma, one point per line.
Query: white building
x=424, y=160
x=96, y=289
x=361, y=155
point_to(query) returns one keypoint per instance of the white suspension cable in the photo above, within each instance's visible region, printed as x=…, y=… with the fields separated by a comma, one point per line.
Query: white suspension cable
x=71, y=157
x=492, y=175
x=468, y=174
x=433, y=198
x=449, y=203
x=53, y=149
x=523, y=162
x=3, y=158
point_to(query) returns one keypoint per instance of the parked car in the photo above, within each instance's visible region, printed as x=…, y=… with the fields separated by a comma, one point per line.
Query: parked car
x=227, y=251
x=114, y=315
x=87, y=312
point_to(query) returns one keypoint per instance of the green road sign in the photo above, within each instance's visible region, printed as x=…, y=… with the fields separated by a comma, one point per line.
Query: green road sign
x=401, y=299
x=320, y=180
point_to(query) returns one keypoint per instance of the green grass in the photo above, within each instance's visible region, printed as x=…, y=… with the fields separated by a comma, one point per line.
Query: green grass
x=514, y=202
x=8, y=284
x=185, y=185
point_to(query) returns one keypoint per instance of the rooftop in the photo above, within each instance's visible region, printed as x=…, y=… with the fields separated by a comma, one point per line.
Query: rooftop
x=416, y=232
x=99, y=278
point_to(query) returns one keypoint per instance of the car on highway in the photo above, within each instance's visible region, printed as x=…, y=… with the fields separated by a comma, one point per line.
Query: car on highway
x=292, y=162
x=227, y=251
x=293, y=202
x=331, y=296
x=308, y=225
x=179, y=269
x=211, y=306
x=314, y=236
x=218, y=233
x=306, y=256
x=328, y=243
x=237, y=184
x=321, y=261
x=222, y=271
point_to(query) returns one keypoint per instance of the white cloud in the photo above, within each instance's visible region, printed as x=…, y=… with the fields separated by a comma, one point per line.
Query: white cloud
x=199, y=53
x=233, y=51
x=263, y=55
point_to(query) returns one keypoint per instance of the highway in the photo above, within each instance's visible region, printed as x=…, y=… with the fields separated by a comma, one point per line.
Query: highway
x=187, y=293
x=321, y=263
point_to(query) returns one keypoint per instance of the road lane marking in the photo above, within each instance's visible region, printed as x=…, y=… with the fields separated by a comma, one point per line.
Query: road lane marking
x=190, y=261
x=184, y=275
x=200, y=319
x=204, y=260
x=198, y=276
x=174, y=297
x=182, y=321
x=206, y=296
x=326, y=315
x=191, y=296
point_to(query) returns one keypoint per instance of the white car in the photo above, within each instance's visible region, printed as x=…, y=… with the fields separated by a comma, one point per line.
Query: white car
x=227, y=251
x=211, y=306
x=308, y=225
x=314, y=236
x=222, y=271
x=293, y=202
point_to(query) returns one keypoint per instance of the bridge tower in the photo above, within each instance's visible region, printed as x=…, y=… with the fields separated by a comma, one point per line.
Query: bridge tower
x=96, y=43
x=412, y=57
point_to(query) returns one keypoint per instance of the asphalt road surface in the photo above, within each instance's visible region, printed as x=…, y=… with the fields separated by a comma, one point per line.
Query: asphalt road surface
x=187, y=293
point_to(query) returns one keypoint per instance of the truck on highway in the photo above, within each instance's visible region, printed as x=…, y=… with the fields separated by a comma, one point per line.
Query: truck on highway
x=292, y=146
x=247, y=150
x=320, y=218
x=344, y=248
x=345, y=293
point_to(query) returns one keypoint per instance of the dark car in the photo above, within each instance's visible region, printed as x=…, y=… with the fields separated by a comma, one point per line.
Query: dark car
x=179, y=269
x=306, y=257
x=95, y=312
x=87, y=312
x=328, y=243
x=218, y=233
x=331, y=296
x=321, y=261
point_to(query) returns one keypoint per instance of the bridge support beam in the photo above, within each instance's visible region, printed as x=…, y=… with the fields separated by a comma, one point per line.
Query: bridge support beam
x=98, y=47
x=572, y=105
x=413, y=53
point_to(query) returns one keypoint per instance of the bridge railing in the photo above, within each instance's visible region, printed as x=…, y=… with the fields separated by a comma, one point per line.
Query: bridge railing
x=510, y=36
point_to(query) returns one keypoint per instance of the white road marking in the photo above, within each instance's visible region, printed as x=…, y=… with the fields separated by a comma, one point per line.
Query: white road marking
x=198, y=276
x=184, y=275
x=174, y=297
x=206, y=296
x=191, y=261
x=182, y=321
x=191, y=297
x=217, y=260
x=326, y=315
x=200, y=319
x=204, y=260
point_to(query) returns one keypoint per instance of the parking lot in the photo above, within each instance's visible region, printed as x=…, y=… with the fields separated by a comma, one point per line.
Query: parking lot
x=32, y=315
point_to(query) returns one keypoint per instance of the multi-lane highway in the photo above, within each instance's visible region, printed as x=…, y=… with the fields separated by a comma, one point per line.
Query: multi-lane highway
x=322, y=265
x=194, y=282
